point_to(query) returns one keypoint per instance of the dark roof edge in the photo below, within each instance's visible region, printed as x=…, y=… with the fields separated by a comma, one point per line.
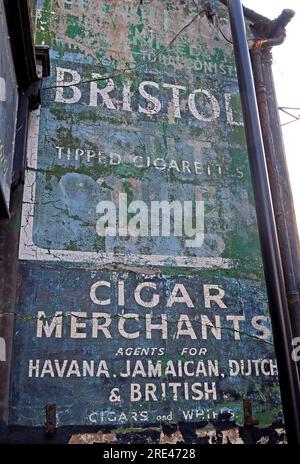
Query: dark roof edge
x=20, y=32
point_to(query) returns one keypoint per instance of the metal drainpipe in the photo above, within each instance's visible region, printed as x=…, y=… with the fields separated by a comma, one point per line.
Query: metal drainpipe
x=288, y=373
x=288, y=203
x=277, y=179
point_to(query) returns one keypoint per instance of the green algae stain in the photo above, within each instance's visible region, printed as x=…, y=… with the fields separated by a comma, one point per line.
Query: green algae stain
x=44, y=32
x=74, y=28
x=106, y=8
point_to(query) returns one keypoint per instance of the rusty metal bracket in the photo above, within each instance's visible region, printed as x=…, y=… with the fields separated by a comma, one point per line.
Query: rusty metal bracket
x=260, y=43
x=249, y=421
x=50, y=424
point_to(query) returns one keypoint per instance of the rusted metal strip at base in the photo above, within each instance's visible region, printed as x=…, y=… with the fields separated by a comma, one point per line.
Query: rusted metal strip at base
x=249, y=420
x=50, y=424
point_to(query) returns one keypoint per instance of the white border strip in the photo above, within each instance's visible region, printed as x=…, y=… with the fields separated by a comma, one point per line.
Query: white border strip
x=29, y=251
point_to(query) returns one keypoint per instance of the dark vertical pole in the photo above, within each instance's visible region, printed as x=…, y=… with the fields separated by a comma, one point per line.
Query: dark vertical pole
x=9, y=241
x=280, y=188
x=287, y=196
x=288, y=374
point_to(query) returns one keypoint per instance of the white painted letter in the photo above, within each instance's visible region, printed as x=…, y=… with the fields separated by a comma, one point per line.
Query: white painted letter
x=156, y=105
x=137, y=295
x=93, y=296
x=77, y=325
x=208, y=298
x=103, y=92
x=122, y=321
x=61, y=84
x=183, y=298
x=42, y=324
x=212, y=100
x=175, y=94
x=103, y=327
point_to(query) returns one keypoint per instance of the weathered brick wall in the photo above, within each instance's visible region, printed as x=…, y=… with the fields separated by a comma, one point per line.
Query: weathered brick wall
x=158, y=120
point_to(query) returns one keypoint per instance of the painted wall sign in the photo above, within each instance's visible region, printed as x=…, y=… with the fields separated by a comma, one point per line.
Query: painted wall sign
x=8, y=111
x=142, y=296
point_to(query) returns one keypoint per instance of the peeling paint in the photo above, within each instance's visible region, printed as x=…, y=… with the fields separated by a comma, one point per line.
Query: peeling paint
x=212, y=436
x=128, y=331
x=172, y=439
x=91, y=438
